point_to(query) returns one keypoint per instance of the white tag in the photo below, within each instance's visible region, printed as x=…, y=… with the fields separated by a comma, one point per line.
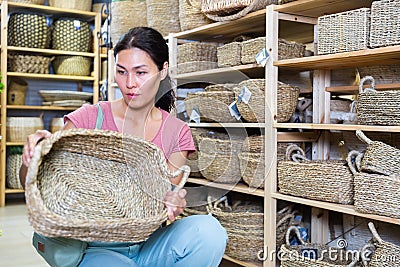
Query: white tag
x=262, y=57
x=77, y=24
x=234, y=110
x=195, y=115
x=244, y=95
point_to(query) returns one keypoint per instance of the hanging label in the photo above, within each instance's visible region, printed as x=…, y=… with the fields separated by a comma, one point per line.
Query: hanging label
x=234, y=110
x=262, y=57
x=77, y=24
x=195, y=115
x=244, y=95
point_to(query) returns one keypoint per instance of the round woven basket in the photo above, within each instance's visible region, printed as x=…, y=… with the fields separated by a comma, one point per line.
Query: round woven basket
x=84, y=5
x=220, y=168
x=252, y=167
x=29, y=63
x=71, y=35
x=190, y=15
x=72, y=65
x=33, y=2
x=163, y=16
x=97, y=185
x=14, y=163
x=253, y=111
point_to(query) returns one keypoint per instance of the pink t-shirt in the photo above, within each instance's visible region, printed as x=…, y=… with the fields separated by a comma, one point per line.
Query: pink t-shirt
x=173, y=136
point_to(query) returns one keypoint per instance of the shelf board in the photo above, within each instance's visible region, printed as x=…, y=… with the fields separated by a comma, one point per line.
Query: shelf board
x=242, y=263
x=14, y=191
x=242, y=188
x=222, y=75
x=337, y=127
x=15, y=143
x=347, y=209
x=354, y=89
x=227, y=125
x=103, y=55
x=297, y=136
x=49, y=51
x=23, y=107
x=317, y=8
x=50, y=76
x=377, y=56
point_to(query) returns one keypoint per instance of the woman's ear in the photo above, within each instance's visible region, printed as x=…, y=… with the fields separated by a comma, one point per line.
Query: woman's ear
x=164, y=71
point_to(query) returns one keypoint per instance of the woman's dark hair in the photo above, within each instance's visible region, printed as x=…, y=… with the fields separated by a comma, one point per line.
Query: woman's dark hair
x=154, y=44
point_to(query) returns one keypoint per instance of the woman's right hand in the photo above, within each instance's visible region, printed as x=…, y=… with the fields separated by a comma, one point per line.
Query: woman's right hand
x=31, y=142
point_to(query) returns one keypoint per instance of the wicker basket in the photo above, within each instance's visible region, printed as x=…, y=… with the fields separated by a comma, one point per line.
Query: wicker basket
x=197, y=56
x=212, y=106
x=72, y=65
x=252, y=167
x=229, y=54
x=29, y=63
x=28, y=30
x=374, y=193
x=253, y=143
x=71, y=35
x=163, y=16
x=325, y=180
x=377, y=107
x=244, y=224
x=385, y=23
x=385, y=254
x=284, y=219
x=251, y=48
x=382, y=73
x=344, y=32
x=133, y=169
x=14, y=163
x=33, y=2
x=302, y=255
x=288, y=49
x=190, y=15
x=220, y=87
x=85, y=5
x=232, y=9
x=16, y=92
x=18, y=128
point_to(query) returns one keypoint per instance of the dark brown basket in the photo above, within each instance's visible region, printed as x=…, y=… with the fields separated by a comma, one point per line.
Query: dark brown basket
x=71, y=35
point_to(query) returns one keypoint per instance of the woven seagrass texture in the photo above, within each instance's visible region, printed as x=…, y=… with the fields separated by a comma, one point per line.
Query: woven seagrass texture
x=97, y=185
x=197, y=56
x=244, y=224
x=284, y=219
x=213, y=106
x=293, y=255
x=72, y=65
x=229, y=54
x=28, y=30
x=14, y=163
x=385, y=23
x=379, y=157
x=163, y=15
x=71, y=35
x=374, y=193
x=377, y=107
x=325, y=180
x=29, y=63
x=286, y=101
x=386, y=254
x=18, y=128
x=190, y=15
x=250, y=49
x=344, y=32
x=382, y=73
x=220, y=87
x=16, y=91
x=281, y=150
x=33, y=2
x=85, y=5
x=288, y=49
x=252, y=167
x=253, y=143
x=122, y=14
x=253, y=111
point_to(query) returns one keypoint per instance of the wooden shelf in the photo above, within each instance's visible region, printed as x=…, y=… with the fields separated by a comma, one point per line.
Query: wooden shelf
x=298, y=137
x=242, y=263
x=355, y=90
x=383, y=55
x=50, y=76
x=347, y=209
x=242, y=188
x=227, y=125
x=14, y=191
x=48, y=51
x=22, y=107
x=15, y=143
x=337, y=127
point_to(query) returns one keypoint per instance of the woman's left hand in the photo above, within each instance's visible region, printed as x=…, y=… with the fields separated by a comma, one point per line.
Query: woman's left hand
x=175, y=202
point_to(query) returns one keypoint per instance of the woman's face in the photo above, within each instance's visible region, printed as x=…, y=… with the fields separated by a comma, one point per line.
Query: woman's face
x=137, y=77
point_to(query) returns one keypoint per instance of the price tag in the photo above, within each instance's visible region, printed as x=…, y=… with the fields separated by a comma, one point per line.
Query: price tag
x=234, y=110
x=77, y=24
x=195, y=115
x=244, y=95
x=262, y=57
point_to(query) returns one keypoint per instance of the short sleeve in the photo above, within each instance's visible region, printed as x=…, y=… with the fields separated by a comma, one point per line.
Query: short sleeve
x=185, y=142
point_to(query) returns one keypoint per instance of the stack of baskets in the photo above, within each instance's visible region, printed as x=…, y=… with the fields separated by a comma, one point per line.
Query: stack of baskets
x=252, y=161
x=376, y=178
x=197, y=56
x=325, y=180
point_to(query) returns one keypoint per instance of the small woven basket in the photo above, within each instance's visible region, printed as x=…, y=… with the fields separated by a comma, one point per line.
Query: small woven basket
x=71, y=35
x=18, y=128
x=29, y=63
x=190, y=15
x=85, y=5
x=197, y=56
x=253, y=144
x=229, y=54
x=288, y=49
x=251, y=48
x=377, y=107
x=252, y=167
x=385, y=23
x=374, y=193
x=344, y=32
x=33, y=2
x=28, y=30
x=325, y=180
x=72, y=65
x=14, y=163
x=385, y=254
x=163, y=16
x=313, y=255
x=115, y=187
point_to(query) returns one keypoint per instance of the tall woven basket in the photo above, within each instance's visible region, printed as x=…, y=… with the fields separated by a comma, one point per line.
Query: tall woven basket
x=325, y=180
x=68, y=175
x=72, y=65
x=163, y=15
x=85, y=5
x=71, y=35
x=190, y=15
x=377, y=107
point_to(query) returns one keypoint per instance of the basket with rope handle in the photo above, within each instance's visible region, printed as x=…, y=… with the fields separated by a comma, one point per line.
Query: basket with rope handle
x=97, y=185
x=326, y=180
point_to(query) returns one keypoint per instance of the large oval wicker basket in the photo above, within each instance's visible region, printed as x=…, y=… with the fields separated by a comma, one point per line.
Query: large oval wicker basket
x=97, y=185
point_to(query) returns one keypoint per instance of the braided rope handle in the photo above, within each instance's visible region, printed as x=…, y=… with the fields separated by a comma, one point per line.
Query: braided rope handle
x=360, y=135
x=357, y=157
x=375, y=234
x=186, y=171
x=238, y=15
x=363, y=80
x=297, y=233
x=364, y=260
x=299, y=156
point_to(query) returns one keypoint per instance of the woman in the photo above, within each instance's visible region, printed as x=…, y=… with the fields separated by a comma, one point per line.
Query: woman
x=141, y=68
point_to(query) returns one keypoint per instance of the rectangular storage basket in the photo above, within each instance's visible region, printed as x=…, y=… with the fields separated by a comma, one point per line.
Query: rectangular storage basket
x=385, y=23
x=197, y=56
x=18, y=128
x=229, y=54
x=344, y=32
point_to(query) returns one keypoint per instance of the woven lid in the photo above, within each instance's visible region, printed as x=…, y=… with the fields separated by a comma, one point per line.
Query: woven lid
x=97, y=185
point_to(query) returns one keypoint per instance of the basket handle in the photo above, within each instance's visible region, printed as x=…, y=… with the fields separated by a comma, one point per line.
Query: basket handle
x=363, y=137
x=294, y=148
x=238, y=15
x=363, y=80
x=285, y=218
x=297, y=233
x=286, y=209
x=189, y=2
x=375, y=234
x=364, y=260
x=186, y=171
x=357, y=156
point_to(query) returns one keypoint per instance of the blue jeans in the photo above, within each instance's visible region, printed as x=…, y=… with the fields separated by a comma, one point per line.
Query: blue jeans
x=197, y=240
